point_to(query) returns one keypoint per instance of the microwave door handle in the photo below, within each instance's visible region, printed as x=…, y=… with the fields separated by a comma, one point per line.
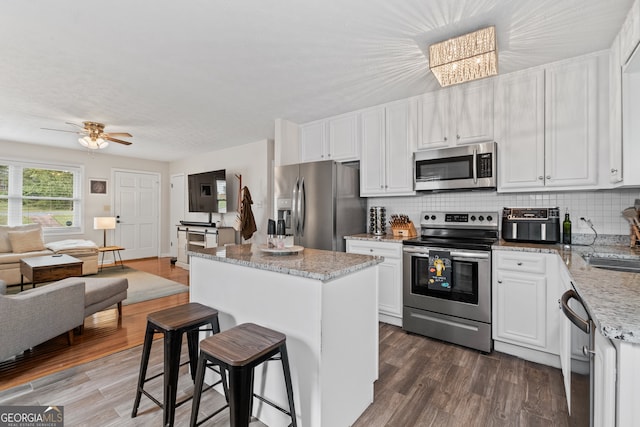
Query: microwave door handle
x=475, y=166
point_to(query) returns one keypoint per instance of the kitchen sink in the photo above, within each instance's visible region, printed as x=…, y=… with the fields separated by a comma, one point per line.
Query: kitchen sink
x=618, y=264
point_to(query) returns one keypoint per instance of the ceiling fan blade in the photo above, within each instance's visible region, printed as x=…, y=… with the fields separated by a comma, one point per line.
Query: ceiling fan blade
x=74, y=124
x=60, y=130
x=112, y=134
x=119, y=141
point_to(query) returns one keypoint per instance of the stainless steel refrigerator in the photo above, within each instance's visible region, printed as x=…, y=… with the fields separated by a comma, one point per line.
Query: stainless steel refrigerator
x=320, y=203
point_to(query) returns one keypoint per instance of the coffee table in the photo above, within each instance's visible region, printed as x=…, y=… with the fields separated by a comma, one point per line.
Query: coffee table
x=49, y=268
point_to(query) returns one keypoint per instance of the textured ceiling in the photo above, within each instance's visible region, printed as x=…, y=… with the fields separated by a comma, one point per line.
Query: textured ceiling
x=201, y=75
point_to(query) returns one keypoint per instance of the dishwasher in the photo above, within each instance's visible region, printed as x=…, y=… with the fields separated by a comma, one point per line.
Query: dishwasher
x=602, y=364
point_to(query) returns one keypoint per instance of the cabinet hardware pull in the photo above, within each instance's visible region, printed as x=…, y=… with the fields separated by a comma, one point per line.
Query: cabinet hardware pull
x=548, y=176
x=541, y=177
x=519, y=263
x=614, y=170
x=445, y=138
x=499, y=281
x=458, y=136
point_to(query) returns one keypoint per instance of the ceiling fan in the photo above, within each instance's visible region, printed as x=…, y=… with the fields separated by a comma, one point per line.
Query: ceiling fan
x=94, y=136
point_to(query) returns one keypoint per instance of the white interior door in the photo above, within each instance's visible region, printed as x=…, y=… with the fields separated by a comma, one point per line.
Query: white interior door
x=136, y=200
x=177, y=210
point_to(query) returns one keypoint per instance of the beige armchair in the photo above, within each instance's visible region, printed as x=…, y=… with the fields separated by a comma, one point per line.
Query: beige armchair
x=34, y=316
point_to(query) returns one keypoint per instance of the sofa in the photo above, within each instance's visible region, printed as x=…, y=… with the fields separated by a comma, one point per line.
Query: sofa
x=37, y=315
x=23, y=241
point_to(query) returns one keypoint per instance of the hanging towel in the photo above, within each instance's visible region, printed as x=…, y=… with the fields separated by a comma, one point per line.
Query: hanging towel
x=440, y=271
x=248, y=222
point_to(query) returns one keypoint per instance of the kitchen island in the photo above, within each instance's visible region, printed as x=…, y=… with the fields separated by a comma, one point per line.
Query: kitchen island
x=326, y=304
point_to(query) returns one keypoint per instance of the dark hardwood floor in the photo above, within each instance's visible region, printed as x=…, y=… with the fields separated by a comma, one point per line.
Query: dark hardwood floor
x=422, y=382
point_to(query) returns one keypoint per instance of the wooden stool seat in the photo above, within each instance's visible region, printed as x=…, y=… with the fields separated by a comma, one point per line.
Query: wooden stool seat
x=173, y=323
x=237, y=351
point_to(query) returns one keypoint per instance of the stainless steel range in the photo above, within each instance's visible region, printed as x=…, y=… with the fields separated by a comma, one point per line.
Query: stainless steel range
x=447, y=278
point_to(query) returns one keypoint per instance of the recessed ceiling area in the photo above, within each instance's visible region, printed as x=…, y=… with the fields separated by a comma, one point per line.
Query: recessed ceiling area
x=198, y=76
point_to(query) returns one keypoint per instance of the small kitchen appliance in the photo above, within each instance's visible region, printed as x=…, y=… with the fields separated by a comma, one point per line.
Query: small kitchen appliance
x=535, y=225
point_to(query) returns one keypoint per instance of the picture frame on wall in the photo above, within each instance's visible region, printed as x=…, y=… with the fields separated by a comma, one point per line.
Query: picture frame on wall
x=98, y=186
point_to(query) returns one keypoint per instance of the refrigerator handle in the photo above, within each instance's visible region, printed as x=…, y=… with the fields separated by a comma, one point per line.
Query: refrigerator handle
x=302, y=207
x=294, y=207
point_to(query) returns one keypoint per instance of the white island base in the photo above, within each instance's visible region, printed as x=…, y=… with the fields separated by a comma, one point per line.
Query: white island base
x=331, y=328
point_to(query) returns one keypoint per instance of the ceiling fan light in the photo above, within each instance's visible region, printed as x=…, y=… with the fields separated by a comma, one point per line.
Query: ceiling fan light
x=91, y=144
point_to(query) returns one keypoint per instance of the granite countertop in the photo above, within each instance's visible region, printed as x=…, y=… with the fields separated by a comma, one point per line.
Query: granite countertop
x=612, y=298
x=377, y=238
x=310, y=263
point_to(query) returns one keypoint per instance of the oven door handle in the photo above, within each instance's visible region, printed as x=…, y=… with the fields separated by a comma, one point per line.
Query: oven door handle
x=454, y=254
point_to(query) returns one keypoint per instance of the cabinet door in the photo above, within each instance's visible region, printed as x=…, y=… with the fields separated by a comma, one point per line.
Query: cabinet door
x=520, y=308
x=519, y=124
x=571, y=123
x=210, y=240
x=615, y=113
x=473, y=112
x=435, y=116
x=400, y=137
x=344, y=143
x=372, y=166
x=182, y=246
x=312, y=141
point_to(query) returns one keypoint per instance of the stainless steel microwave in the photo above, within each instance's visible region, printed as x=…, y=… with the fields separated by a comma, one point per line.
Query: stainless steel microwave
x=468, y=167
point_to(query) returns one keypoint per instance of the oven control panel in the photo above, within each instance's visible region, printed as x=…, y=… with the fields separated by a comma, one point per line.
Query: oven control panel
x=459, y=219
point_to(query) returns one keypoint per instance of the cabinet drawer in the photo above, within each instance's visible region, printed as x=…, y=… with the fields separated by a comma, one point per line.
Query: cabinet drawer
x=518, y=261
x=366, y=247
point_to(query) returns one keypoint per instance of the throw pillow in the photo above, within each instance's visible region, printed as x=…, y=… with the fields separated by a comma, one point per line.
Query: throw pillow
x=5, y=243
x=26, y=241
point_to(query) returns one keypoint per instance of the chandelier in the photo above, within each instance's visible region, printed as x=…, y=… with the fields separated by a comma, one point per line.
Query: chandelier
x=468, y=57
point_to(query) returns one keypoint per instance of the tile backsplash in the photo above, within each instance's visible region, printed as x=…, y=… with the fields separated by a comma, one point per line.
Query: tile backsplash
x=604, y=208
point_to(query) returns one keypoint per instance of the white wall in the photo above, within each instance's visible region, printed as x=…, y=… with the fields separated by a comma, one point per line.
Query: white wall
x=602, y=207
x=254, y=161
x=97, y=164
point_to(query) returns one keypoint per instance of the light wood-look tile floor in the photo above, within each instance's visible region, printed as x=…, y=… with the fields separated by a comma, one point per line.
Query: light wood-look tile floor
x=422, y=382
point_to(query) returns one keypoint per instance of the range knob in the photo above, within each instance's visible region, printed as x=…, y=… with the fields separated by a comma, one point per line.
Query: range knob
x=426, y=217
x=433, y=217
x=489, y=218
x=473, y=217
x=481, y=218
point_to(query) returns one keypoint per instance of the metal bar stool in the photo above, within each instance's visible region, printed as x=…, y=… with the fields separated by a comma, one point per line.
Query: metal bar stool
x=238, y=351
x=172, y=323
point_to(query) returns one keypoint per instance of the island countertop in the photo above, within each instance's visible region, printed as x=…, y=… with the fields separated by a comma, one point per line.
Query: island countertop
x=310, y=263
x=611, y=297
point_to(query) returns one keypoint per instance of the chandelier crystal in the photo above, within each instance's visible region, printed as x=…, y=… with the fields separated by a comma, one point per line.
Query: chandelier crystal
x=468, y=57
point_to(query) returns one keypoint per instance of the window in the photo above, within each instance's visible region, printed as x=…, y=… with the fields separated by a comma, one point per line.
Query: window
x=49, y=195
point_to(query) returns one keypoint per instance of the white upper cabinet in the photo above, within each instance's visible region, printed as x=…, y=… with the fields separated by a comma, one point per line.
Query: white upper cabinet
x=388, y=142
x=630, y=33
x=313, y=145
x=336, y=138
x=548, y=125
x=519, y=126
x=458, y=115
x=615, y=114
x=571, y=116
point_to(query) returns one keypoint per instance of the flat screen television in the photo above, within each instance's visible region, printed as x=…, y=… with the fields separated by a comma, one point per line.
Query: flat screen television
x=208, y=192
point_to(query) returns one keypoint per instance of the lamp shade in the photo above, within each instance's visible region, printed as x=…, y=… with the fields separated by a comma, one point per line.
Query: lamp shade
x=104, y=223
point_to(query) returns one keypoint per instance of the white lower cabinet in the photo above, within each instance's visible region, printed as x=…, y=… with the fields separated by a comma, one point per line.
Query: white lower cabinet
x=390, y=276
x=604, y=382
x=520, y=300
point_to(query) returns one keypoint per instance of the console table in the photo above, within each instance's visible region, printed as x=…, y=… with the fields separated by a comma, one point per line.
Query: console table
x=49, y=268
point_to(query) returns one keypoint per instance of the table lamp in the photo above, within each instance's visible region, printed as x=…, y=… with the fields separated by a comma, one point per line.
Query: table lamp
x=104, y=223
